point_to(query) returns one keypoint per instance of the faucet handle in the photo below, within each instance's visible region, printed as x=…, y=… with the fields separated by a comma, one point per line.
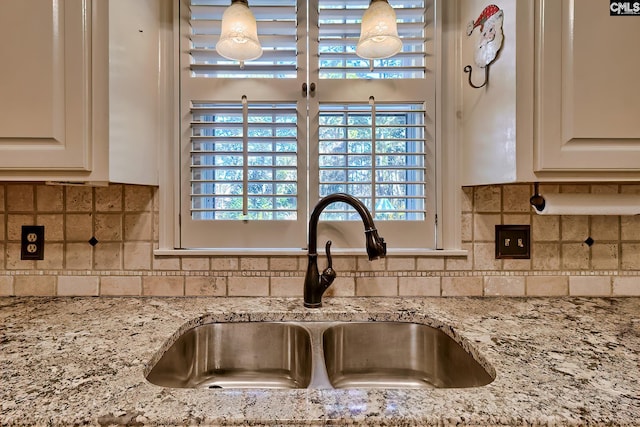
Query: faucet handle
x=327, y=249
x=329, y=274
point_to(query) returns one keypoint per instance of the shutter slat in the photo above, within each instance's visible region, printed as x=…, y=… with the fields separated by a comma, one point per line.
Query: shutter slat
x=368, y=168
x=253, y=3
x=236, y=140
x=205, y=125
x=250, y=210
x=270, y=108
x=376, y=69
x=272, y=11
x=408, y=42
x=282, y=27
x=211, y=56
x=208, y=42
x=353, y=29
x=249, y=68
x=363, y=4
x=355, y=14
x=235, y=153
x=351, y=56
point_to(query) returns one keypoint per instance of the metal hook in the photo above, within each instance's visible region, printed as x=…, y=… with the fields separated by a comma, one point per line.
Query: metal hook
x=468, y=69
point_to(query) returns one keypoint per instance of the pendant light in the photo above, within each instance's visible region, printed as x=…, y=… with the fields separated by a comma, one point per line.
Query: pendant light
x=239, y=35
x=378, y=32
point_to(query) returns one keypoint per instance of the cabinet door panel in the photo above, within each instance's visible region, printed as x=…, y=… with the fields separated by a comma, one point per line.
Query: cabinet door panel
x=587, y=96
x=45, y=85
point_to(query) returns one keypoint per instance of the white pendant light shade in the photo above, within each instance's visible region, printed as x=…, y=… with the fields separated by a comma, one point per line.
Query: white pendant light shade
x=239, y=35
x=379, y=32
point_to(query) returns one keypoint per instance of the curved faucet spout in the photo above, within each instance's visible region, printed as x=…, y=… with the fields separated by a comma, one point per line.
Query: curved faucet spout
x=315, y=283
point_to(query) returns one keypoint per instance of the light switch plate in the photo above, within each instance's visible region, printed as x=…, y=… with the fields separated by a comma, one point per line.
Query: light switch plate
x=513, y=242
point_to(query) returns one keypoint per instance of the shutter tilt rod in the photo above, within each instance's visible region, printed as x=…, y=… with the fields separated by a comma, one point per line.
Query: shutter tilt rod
x=372, y=103
x=245, y=156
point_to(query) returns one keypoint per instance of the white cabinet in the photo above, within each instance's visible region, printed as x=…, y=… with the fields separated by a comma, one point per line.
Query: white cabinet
x=80, y=90
x=562, y=103
x=45, y=85
x=587, y=92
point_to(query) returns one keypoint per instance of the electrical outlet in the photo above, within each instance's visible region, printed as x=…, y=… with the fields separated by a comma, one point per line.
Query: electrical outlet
x=32, y=246
x=513, y=242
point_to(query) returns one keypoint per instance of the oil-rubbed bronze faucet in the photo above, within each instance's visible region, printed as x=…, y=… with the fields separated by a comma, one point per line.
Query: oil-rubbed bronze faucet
x=315, y=283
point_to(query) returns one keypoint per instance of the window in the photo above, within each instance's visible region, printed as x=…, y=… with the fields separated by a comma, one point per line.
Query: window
x=258, y=151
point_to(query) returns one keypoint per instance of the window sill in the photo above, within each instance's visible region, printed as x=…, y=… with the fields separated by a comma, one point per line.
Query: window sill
x=302, y=252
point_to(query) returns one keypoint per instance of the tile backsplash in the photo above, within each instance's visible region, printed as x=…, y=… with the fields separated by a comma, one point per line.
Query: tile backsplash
x=123, y=222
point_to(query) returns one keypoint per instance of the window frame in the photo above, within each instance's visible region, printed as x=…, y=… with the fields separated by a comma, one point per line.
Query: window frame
x=448, y=200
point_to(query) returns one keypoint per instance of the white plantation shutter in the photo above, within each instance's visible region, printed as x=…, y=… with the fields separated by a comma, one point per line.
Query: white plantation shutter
x=243, y=164
x=373, y=131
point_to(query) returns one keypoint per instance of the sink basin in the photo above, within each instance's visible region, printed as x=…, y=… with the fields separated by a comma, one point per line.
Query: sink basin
x=398, y=355
x=319, y=355
x=237, y=355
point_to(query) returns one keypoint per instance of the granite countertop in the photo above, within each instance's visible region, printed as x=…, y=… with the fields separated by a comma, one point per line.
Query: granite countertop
x=564, y=361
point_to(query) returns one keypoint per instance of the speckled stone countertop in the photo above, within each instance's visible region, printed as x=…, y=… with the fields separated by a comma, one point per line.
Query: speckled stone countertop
x=565, y=362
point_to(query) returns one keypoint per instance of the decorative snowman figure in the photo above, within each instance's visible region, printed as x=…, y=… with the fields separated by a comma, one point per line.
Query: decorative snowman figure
x=491, y=36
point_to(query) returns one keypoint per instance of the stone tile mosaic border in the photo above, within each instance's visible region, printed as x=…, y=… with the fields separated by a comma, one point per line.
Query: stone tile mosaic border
x=363, y=284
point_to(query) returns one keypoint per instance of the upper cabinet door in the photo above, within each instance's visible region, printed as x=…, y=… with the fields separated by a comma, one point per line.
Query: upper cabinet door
x=587, y=93
x=45, y=85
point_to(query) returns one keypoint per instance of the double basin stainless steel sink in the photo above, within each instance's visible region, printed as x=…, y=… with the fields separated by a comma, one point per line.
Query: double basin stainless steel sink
x=287, y=355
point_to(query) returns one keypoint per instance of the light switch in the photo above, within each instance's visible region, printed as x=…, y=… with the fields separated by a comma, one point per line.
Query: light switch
x=513, y=241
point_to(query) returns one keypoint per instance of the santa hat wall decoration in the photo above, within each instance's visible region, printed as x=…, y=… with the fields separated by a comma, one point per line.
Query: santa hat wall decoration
x=489, y=40
x=487, y=13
